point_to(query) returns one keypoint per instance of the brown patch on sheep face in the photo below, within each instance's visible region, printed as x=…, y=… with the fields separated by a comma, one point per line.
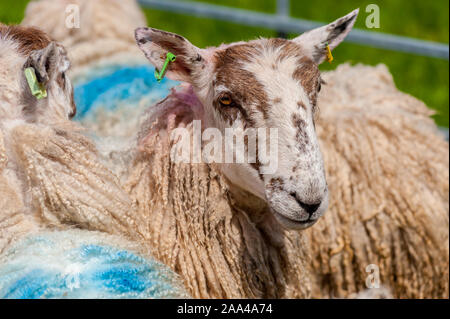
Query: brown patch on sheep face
x=276, y=100
x=308, y=75
x=301, y=136
x=246, y=91
x=288, y=48
x=29, y=39
x=243, y=85
x=275, y=184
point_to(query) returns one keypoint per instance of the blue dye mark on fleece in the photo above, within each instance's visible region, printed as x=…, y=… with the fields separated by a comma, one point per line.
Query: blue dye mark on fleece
x=30, y=286
x=50, y=269
x=108, y=88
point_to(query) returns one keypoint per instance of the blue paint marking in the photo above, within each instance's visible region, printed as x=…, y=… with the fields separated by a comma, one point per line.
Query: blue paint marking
x=47, y=269
x=31, y=286
x=118, y=84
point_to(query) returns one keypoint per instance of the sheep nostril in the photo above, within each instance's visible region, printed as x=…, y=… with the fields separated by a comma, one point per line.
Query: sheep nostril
x=309, y=208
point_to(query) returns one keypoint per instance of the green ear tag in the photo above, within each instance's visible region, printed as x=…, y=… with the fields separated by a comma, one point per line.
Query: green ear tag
x=37, y=89
x=159, y=75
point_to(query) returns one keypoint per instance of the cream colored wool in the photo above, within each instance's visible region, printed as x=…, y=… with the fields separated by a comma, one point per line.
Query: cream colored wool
x=106, y=28
x=68, y=184
x=51, y=176
x=3, y=157
x=13, y=220
x=388, y=175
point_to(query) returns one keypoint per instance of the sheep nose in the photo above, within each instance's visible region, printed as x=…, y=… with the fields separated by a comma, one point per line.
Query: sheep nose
x=308, y=208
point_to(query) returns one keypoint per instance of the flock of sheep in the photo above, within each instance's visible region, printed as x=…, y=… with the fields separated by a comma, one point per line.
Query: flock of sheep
x=386, y=167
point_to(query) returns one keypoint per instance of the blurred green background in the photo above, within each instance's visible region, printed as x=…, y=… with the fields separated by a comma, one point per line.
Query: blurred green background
x=423, y=77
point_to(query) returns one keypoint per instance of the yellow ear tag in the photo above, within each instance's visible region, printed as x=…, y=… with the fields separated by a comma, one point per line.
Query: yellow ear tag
x=329, y=55
x=37, y=89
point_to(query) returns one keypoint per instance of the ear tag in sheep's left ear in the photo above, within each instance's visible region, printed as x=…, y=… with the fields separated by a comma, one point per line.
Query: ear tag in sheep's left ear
x=37, y=89
x=329, y=55
x=159, y=75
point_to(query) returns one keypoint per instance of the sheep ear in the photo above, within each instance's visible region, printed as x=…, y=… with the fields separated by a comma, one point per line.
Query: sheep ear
x=156, y=44
x=48, y=62
x=314, y=41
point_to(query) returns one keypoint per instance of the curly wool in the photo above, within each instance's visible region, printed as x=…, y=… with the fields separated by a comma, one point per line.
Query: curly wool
x=388, y=174
x=14, y=221
x=67, y=182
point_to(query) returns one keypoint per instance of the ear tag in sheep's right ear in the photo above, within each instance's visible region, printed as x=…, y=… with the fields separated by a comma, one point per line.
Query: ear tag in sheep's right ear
x=329, y=55
x=37, y=89
x=159, y=75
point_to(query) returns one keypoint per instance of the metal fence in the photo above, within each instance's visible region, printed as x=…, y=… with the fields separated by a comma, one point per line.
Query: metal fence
x=283, y=23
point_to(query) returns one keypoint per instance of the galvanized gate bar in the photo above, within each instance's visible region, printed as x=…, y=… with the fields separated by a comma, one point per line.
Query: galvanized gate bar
x=283, y=8
x=288, y=24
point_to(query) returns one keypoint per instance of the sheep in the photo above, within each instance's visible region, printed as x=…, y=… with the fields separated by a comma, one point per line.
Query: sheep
x=51, y=178
x=218, y=237
x=385, y=223
x=224, y=227
x=52, y=164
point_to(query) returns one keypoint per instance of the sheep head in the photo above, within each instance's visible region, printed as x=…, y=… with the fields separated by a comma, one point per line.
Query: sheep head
x=27, y=47
x=254, y=87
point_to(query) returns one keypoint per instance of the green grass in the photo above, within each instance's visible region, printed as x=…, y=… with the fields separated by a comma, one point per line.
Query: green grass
x=426, y=78
x=12, y=11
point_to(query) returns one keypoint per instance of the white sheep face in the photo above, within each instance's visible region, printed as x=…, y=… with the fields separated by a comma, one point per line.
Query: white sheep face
x=262, y=84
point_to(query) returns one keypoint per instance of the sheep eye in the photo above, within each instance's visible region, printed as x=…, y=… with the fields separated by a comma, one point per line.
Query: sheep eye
x=319, y=86
x=225, y=100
